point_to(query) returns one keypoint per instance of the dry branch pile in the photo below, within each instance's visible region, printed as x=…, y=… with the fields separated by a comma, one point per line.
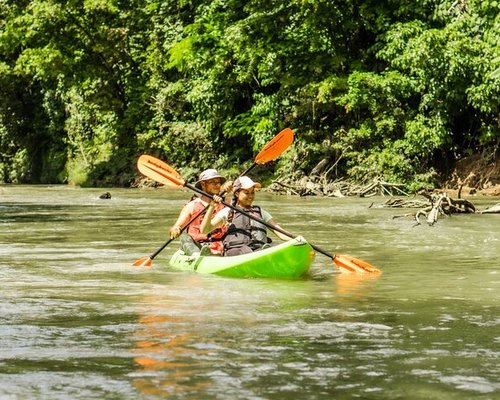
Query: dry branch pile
x=319, y=186
x=435, y=205
x=441, y=204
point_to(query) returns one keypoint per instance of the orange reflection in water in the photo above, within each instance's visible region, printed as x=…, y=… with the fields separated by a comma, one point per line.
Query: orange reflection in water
x=163, y=356
x=354, y=284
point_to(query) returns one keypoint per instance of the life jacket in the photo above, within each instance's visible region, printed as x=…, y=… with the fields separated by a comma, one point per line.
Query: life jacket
x=243, y=230
x=214, y=238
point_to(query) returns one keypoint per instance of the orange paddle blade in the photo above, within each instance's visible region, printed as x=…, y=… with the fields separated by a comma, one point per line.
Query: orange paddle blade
x=275, y=147
x=159, y=171
x=143, y=262
x=350, y=264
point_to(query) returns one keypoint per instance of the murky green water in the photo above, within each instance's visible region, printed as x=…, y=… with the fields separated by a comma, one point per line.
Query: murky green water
x=77, y=321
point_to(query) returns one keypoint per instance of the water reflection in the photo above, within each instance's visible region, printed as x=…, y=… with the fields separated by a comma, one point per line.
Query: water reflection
x=355, y=285
x=159, y=351
x=164, y=353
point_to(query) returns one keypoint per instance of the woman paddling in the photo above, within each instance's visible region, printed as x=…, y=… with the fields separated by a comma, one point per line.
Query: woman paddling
x=243, y=235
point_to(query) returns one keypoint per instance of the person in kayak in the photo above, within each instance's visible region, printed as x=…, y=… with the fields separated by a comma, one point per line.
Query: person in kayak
x=242, y=234
x=194, y=241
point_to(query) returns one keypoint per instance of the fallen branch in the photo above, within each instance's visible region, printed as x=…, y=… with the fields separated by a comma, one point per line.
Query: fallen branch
x=492, y=210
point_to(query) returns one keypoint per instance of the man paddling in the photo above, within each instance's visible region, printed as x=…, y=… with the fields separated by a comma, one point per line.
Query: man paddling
x=196, y=242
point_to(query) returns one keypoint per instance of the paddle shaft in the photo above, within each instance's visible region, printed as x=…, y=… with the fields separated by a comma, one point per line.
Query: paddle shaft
x=274, y=228
x=172, y=239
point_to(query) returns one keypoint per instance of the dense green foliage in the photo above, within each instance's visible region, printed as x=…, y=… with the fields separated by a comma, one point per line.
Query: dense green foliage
x=378, y=88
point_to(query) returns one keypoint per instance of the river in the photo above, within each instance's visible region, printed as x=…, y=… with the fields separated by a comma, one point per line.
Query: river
x=78, y=321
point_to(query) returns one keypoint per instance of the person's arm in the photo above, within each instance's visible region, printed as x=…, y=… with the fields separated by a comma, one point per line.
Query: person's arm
x=226, y=188
x=209, y=224
x=184, y=217
x=279, y=234
x=267, y=217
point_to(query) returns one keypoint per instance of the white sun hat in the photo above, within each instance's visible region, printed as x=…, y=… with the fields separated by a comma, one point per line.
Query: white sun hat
x=207, y=175
x=244, y=182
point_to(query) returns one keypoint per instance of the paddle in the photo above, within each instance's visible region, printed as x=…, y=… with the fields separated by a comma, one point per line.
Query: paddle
x=272, y=150
x=165, y=174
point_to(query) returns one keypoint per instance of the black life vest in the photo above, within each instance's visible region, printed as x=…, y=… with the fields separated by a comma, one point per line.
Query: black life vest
x=243, y=230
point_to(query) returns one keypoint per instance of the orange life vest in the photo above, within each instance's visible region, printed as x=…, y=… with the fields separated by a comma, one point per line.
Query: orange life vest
x=214, y=238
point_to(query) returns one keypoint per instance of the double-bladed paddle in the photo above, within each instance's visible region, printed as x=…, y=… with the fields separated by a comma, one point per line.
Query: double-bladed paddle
x=272, y=150
x=165, y=174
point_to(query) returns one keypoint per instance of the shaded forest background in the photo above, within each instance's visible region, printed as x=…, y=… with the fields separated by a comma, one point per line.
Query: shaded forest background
x=399, y=90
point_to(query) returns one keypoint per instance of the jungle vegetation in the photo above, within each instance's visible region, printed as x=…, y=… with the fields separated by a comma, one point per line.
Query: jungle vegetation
x=394, y=89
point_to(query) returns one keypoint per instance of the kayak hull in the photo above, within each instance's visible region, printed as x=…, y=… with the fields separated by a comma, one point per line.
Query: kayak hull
x=291, y=259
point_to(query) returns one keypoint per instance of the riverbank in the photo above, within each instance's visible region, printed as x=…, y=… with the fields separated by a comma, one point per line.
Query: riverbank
x=478, y=174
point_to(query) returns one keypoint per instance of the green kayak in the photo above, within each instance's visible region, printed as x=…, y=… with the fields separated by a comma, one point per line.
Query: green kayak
x=290, y=259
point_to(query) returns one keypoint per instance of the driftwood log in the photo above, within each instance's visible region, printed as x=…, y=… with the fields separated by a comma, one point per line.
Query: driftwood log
x=491, y=210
